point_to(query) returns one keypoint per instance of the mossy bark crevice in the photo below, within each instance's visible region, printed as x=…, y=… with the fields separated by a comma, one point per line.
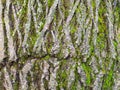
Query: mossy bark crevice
x=59, y=44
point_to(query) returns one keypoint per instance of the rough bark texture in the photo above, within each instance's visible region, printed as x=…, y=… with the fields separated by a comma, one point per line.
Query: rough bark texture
x=59, y=44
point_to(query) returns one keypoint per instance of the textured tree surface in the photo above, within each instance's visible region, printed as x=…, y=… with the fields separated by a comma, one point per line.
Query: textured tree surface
x=59, y=44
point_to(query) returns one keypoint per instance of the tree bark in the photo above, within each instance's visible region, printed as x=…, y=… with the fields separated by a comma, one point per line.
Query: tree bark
x=59, y=44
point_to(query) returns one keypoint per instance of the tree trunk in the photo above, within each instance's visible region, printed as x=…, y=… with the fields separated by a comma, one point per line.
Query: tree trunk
x=59, y=44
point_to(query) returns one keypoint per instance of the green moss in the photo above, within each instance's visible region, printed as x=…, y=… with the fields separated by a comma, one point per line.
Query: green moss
x=93, y=4
x=50, y=2
x=49, y=49
x=78, y=10
x=22, y=12
x=92, y=50
x=15, y=86
x=88, y=73
x=62, y=79
x=65, y=7
x=77, y=78
x=115, y=44
x=108, y=81
x=101, y=41
x=74, y=87
x=62, y=75
x=73, y=29
x=60, y=28
x=47, y=57
x=117, y=14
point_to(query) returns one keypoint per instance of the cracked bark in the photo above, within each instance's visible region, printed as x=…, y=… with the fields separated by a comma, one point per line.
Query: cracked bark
x=59, y=45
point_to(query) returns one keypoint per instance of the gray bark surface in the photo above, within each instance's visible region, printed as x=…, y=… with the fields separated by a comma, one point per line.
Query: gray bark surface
x=59, y=44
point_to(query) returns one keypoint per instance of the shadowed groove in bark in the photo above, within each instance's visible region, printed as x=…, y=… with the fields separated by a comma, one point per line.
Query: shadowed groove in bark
x=59, y=44
x=1, y=33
